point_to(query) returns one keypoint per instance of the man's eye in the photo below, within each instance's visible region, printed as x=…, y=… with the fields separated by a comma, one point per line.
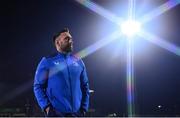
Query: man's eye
x=67, y=38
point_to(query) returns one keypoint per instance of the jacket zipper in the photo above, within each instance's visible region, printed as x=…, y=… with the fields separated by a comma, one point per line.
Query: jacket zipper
x=69, y=82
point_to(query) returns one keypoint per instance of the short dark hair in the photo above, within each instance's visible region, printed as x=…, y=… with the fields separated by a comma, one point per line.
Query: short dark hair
x=58, y=33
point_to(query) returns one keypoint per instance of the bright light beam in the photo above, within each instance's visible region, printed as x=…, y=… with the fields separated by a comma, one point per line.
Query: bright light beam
x=130, y=79
x=101, y=43
x=160, y=10
x=131, y=8
x=17, y=91
x=160, y=42
x=101, y=11
x=130, y=62
x=130, y=28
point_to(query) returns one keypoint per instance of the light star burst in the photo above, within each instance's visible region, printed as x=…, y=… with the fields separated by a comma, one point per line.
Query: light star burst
x=130, y=28
x=106, y=40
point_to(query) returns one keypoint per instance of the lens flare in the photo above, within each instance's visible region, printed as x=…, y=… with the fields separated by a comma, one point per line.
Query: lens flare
x=160, y=10
x=160, y=42
x=130, y=28
x=100, y=10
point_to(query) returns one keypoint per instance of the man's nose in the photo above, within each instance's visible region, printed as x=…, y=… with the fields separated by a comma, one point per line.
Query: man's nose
x=70, y=41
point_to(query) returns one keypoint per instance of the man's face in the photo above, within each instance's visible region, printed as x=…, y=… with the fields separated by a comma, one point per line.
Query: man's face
x=64, y=42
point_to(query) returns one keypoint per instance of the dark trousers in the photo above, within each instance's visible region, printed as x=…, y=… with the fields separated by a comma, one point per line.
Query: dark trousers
x=54, y=113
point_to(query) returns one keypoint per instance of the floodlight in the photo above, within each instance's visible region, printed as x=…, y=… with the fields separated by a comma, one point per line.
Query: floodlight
x=130, y=28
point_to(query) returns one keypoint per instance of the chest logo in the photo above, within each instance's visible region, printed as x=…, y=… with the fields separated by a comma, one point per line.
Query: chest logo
x=56, y=62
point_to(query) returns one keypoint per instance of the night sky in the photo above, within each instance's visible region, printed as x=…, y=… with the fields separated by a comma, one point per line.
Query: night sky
x=27, y=27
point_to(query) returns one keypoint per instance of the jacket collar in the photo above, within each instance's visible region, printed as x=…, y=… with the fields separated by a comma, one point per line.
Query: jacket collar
x=63, y=54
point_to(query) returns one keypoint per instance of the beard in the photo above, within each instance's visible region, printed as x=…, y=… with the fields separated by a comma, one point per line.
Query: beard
x=66, y=47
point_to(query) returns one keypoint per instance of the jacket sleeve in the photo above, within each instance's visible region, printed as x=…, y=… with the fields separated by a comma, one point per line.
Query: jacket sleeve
x=40, y=84
x=84, y=89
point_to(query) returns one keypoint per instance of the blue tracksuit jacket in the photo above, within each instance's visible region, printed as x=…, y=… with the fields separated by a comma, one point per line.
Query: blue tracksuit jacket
x=61, y=81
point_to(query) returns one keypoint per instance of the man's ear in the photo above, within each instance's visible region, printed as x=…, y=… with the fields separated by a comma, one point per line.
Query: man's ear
x=56, y=42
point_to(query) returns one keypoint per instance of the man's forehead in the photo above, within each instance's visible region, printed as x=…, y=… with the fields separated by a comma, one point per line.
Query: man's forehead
x=64, y=34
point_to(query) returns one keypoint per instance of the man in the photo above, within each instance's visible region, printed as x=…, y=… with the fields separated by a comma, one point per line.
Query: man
x=61, y=84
